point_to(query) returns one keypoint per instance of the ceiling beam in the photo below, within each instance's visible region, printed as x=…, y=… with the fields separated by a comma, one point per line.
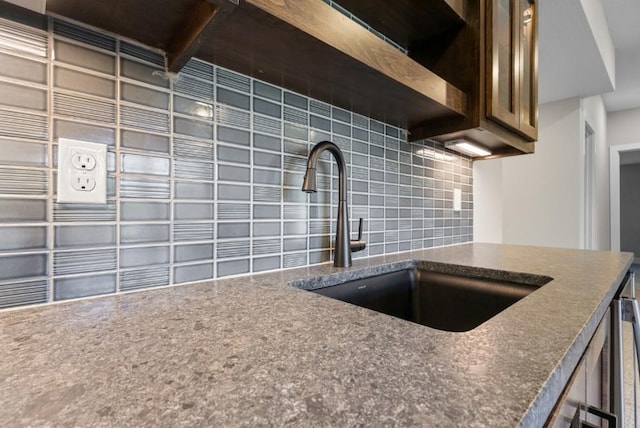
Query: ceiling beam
x=186, y=42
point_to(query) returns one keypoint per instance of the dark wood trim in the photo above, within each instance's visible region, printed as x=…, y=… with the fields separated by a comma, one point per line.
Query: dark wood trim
x=186, y=43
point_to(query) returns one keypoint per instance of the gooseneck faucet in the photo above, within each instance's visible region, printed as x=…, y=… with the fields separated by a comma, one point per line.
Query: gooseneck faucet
x=344, y=245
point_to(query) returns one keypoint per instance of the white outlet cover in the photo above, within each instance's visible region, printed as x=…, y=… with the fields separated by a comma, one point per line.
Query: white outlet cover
x=67, y=172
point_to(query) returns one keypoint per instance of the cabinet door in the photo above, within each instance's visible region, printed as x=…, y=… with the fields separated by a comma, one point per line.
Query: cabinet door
x=528, y=61
x=502, y=57
x=512, y=62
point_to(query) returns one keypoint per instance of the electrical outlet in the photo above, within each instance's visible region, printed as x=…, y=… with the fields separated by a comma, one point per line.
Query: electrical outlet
x=83, y=183
x=83, y=161
x=457, y=199
x=82, y=172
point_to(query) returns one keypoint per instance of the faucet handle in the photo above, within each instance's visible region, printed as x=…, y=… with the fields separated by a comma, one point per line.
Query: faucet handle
x=359, y=244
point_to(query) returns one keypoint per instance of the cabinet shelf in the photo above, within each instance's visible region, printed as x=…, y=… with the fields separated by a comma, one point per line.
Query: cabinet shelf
x=305, y=46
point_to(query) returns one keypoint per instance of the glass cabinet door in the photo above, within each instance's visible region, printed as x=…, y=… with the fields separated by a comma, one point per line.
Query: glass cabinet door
x=512, y=64
x=528, y=68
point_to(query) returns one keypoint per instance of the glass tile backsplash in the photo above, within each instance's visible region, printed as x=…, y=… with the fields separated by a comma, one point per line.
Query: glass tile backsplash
x=204, y=172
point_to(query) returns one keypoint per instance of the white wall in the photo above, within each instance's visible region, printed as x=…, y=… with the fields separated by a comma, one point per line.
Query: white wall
x=539, y=197
x=487, y=201
x=595, y=114
x=623, y=127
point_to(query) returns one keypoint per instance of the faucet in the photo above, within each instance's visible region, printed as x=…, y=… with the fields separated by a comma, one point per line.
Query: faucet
x=344, y=245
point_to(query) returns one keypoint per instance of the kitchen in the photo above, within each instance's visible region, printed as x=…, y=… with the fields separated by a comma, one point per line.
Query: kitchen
x=174, y=215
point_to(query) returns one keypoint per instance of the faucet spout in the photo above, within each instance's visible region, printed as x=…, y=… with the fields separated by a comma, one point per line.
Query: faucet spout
x=342, y=257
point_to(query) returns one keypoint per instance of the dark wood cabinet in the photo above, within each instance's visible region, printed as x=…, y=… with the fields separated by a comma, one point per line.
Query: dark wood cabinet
x=512, y=65
x=494, y=61
x=456, y=68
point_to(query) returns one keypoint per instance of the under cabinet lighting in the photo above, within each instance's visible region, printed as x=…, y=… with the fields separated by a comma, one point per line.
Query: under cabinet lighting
x=464, y=146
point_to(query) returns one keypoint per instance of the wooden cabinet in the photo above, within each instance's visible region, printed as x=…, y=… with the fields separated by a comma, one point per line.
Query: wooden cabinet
x=512, y=65
x=494, y=60
x=458, y=69
x=589, y=386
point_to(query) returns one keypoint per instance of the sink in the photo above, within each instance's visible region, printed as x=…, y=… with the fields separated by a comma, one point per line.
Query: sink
x=442, y=300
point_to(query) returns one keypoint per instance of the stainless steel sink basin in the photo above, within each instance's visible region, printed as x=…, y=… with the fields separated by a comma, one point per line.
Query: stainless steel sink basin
x=440, y=300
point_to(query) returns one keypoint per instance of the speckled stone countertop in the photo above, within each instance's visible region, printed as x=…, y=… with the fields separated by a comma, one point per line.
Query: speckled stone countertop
x=254, y=351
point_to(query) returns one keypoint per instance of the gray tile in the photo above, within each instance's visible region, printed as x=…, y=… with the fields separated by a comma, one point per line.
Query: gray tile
x=265, y=212
x=193, y=252
x=22, y=210
x=267, y=159
x=233, y=249
x=261, y=264
x=234, y=173
x=23, y=266
x=19, y=293
x=190, y=190
x=135, y=257
x=295, y=228
x=340, y=114
x=296, y=100
x=144, y=211
x=131, y=187
x=191, y=107
x=144, y=141
x=267, y=125
x=234, y=136
x=226, y=115
x=271, y=228
x=22, y=68
x=155, y=276
x=193, y=128
x=267, y=108
x=233, y=80
x=84, y=236
x=233, y=267
x=299, y=132
x=203, y=151
x=23, y=238
x=264, y=176
x=316, y=257
x=193, y=211
x=84, y=57
x=320, y=123
x=84, y=132
x=341, y=129
x=82, y=82
x=138, y=164
x=267, y=142
x=192, y=273
x=84, y=261
x=232, y=98
x=23, y=96
x=143, y=95
x=22, y=153
x=193, y=169
x=295, y=244
x=193, y=231
x=84, y=108
x=14, y=181
x=376, y=126
x=231, y=192
x=142, y=72
x=70, y=288
x=267, y=91
x=144, y=233
x=231, y=211
x=233, y=230
x=233, y=154
x=195, y=88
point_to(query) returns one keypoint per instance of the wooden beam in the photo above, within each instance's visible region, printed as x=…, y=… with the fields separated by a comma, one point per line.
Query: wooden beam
x=186, y=43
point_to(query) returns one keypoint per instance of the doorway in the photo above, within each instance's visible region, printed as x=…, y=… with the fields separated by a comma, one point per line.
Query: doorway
x=624, y=167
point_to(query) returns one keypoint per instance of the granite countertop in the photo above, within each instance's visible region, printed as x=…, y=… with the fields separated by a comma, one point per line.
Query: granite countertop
x=254, y=351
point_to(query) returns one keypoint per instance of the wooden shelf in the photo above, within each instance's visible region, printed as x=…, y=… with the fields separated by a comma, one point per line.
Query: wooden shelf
x=302, y=45
x=409, y=22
